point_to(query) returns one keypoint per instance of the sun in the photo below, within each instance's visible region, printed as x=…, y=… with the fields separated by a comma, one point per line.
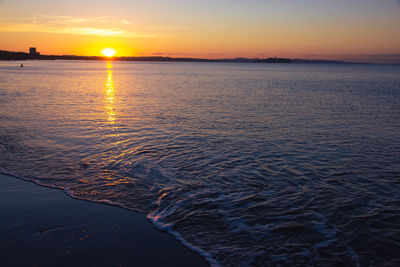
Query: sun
x=108, y=52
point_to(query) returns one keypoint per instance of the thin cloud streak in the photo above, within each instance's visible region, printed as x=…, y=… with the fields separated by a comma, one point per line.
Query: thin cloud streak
x=123, y=21
x=97, y=26
x=187, y=27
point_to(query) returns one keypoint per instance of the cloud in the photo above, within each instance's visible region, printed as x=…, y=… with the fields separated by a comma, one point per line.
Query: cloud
x=123, y=21
x=98, y=26
x=188, y=27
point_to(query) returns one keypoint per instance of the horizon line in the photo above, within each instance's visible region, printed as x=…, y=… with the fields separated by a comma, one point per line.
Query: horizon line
x=237, y=59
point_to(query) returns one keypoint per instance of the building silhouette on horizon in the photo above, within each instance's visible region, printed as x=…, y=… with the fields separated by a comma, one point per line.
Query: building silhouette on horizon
x=33, y=52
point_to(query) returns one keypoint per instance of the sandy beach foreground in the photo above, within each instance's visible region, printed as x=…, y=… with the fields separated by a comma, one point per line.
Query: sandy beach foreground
x=45, y=227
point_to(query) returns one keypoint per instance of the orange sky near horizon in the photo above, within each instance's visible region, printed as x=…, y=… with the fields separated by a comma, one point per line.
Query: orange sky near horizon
x=313, y=29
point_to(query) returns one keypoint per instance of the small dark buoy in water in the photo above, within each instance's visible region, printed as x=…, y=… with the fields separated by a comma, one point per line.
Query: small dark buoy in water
x=22, y=65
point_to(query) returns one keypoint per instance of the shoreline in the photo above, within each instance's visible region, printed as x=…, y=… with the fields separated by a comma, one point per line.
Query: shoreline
x=11, y=55
x=44, y=226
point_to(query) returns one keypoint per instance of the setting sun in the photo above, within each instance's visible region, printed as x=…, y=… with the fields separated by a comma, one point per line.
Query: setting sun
x=108, y=52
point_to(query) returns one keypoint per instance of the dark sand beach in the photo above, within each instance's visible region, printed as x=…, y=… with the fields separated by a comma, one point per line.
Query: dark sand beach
x=41, y=226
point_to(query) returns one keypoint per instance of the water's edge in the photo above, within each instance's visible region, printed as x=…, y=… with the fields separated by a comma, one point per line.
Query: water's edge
x=156, y=226
x=245, y=165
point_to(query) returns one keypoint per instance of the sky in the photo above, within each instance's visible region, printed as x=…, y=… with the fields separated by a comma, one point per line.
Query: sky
x=356, y=30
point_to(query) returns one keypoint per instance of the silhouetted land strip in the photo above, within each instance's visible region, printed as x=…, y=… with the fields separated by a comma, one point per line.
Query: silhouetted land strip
x=7, y=55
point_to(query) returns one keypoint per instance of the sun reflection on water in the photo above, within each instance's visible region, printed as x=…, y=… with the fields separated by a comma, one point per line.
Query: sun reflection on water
x=110, y=95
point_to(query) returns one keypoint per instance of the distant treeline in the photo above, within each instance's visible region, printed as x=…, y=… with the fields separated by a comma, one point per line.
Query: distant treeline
x=7, y=55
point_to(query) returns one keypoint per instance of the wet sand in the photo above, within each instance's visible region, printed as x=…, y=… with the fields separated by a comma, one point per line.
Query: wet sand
x=45, y=227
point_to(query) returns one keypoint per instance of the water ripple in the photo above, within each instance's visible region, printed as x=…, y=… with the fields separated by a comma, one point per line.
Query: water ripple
x=250, y=165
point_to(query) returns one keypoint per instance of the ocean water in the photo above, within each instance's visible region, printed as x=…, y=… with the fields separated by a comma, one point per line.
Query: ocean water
x=248, y=164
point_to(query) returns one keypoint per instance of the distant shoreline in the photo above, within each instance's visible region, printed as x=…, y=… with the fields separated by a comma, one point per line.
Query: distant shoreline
x=9, y=55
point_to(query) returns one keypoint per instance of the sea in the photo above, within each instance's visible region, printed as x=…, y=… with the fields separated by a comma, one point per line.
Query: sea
x=246, y=164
